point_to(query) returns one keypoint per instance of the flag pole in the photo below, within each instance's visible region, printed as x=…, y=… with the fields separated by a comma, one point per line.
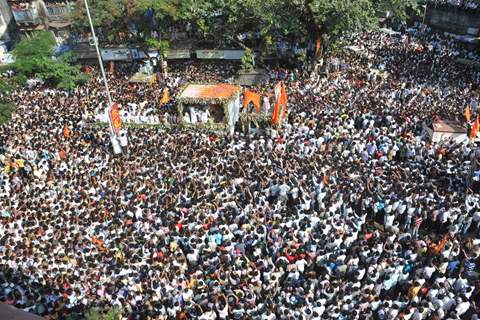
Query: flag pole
x=113, y=135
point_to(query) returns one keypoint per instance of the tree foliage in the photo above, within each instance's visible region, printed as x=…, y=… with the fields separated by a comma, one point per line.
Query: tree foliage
x=105, y=13
x=34, y=59
x=261, y=21
x=248, y=60
x=161, y=45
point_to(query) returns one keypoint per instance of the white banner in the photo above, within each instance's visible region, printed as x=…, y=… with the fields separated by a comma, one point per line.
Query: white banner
x=233, y=54
x=209, y=54
x=178, y=54
x=116, y=54
x=220, y=54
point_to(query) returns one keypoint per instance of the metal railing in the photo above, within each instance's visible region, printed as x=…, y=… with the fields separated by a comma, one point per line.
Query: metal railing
x=29, y=15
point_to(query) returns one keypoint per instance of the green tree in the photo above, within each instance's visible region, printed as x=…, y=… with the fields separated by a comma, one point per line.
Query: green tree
x=248, y=60
x=280, y=19
x=105, y=13
x=34, y=59
x=161, y=45
x=117, y=16
x=264, y=22
x=114, y=313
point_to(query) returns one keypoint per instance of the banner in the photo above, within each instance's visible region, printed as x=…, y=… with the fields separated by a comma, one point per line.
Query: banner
x=254, y=98
x=116, y=54
x=178, y=54
x=114, y=114
x=220, y=54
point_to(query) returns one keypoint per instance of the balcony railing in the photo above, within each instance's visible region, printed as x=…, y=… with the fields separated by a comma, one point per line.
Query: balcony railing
x=27, y=14
x=58, y=11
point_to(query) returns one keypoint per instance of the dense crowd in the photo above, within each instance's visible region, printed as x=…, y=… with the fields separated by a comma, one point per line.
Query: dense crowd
x=464, y=4
x=348, y=211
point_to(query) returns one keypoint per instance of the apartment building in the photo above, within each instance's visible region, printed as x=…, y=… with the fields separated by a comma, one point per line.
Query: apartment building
x=30, y=16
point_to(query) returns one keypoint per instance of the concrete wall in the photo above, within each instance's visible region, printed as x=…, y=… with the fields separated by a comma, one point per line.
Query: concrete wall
x=451, y=19
x=6, y=21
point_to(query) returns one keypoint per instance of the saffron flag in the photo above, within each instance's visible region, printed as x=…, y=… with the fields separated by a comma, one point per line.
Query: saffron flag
x=283, y=100
x=318, y=46
x=165, y=97
x=276, y=113
x=468, y=113
x=250, y=96
x=280, y=104
x=115, y=119
x=474, y=131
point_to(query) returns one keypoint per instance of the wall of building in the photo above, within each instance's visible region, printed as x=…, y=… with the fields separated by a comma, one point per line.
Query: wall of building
x=452, y=19
x=7, y=24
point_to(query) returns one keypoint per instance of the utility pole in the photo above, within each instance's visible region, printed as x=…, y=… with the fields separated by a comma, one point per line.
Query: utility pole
x=113, y=136
x=424, y=13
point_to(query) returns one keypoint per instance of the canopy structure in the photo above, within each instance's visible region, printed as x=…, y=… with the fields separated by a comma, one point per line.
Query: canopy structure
x=207, y=102
x=445, y=130
x=209, y=93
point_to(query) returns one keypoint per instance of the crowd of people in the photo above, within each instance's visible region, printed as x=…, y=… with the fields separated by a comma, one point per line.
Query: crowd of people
x=346, y=211
x=464, y=4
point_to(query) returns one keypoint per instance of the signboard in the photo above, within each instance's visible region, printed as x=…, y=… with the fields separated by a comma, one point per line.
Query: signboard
x=220, y=54
x=172, y=54
x=233, y=54
x=209, y=54
x=178, y=54
x=114, y=114
x=116, y=54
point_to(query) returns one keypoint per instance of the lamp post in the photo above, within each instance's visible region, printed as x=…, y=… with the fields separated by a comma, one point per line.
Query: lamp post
x=424, y=13
x=113, y=136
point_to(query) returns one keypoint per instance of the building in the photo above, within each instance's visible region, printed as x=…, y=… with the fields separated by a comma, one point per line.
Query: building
x=37, y=15
x=7, y=24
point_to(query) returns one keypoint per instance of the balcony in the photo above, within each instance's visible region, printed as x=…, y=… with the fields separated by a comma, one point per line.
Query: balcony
x=58, y=12
x=26, y=13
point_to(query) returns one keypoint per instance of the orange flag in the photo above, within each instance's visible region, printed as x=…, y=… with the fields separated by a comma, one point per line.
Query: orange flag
x=250, y=96
x=468, y=113
x=283, y=100
x=165, y=97
x=66, y=132
x=280, y=106
x=474, y=131
x=318, y=46
x=276, y=113
x=114, y=114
